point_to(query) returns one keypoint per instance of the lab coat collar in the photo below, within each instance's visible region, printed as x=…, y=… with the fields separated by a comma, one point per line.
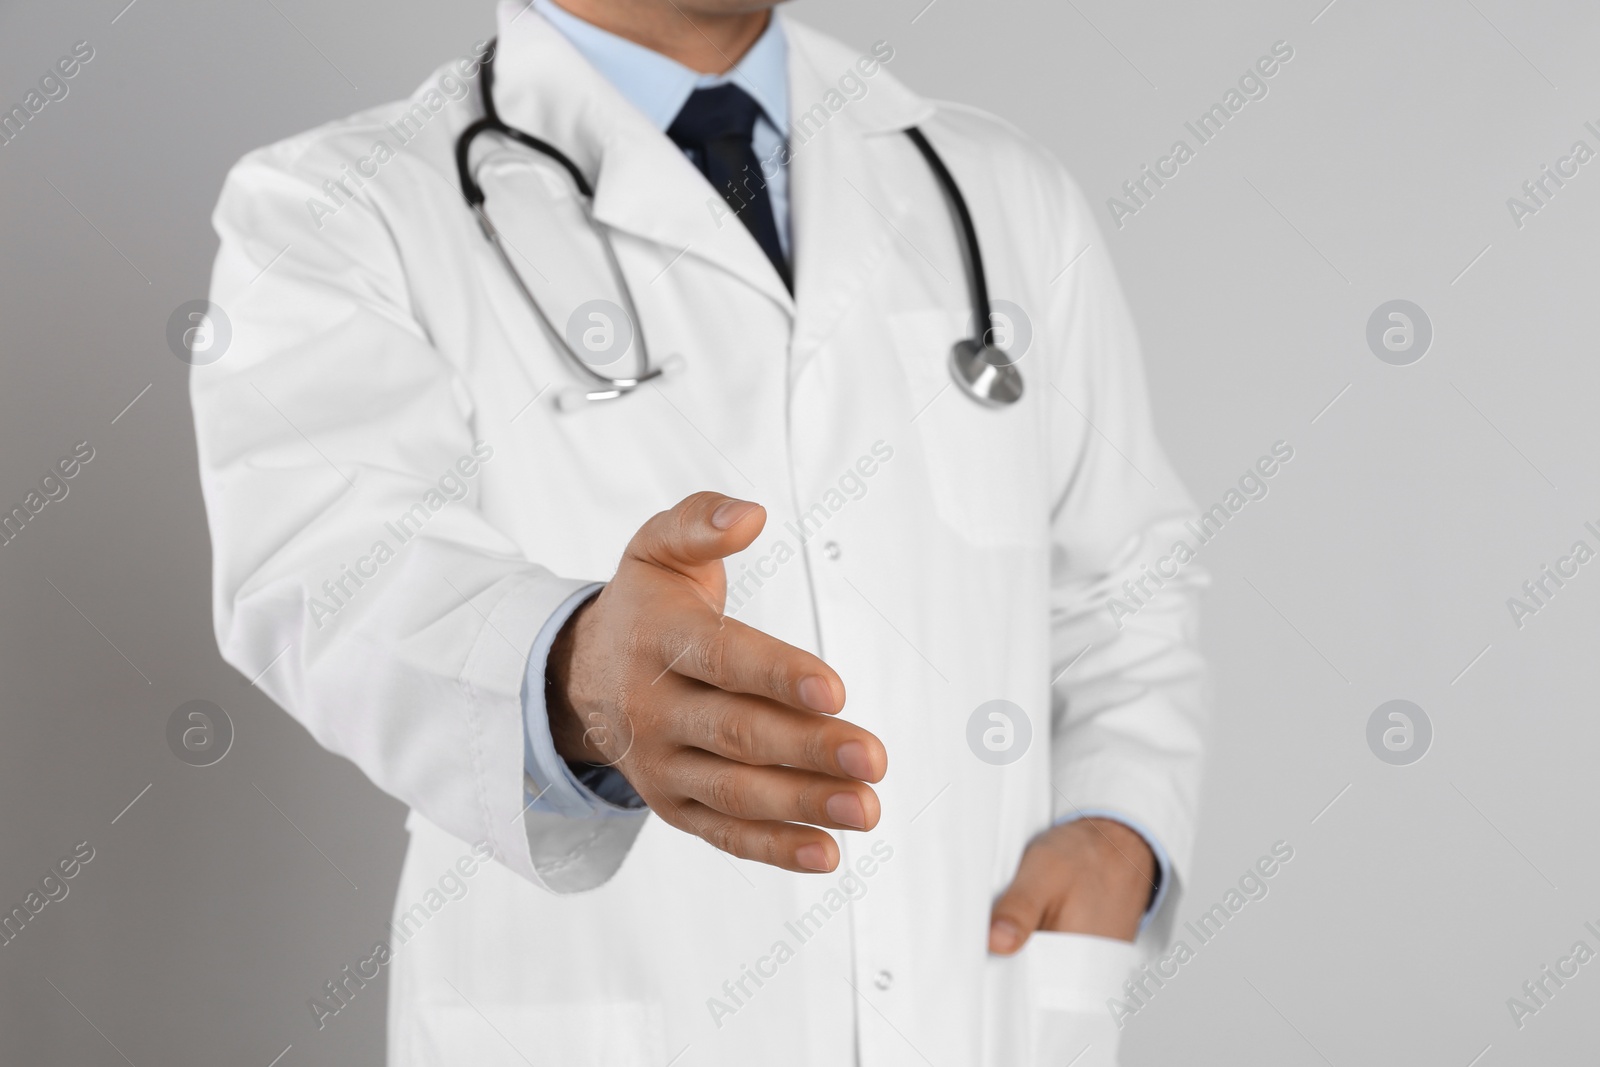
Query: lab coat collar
x=848, y=188
x=645, y=186
x=817, y=65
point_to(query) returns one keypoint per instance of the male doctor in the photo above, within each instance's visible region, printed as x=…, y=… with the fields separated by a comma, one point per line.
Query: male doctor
x=785, y=689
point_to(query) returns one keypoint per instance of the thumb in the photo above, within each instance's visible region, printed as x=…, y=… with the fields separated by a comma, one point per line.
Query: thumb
x=1016, y=914
x=693, y=537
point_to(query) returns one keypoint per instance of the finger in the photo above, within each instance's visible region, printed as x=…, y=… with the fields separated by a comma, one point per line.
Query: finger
x=763, y=733
x=1021, y=908
x=770, y=794
x=700, y=530
x=794, y=848
x=741, y=659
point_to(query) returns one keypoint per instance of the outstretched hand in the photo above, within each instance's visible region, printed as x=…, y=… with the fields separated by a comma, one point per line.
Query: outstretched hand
x=724, y=731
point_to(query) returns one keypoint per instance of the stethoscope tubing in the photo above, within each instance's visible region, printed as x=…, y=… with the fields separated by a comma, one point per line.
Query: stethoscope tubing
x=611, y=387
x=977, y=283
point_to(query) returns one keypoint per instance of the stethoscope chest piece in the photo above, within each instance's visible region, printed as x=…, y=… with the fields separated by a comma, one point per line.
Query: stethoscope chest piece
x=985, y=373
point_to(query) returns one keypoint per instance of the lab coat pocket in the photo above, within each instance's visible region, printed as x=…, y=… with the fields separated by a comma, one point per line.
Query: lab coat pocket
x=984, y=464
x=1057, y=988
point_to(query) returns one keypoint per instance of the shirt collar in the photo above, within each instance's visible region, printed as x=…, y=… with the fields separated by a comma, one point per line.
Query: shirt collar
x=659, y=86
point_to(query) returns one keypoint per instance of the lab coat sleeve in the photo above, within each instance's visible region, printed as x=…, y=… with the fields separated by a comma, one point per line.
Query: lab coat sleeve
x=1129, y=697
x=355, y=579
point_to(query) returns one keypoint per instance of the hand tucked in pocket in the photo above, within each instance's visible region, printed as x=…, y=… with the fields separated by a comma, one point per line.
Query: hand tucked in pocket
x=1089, y=876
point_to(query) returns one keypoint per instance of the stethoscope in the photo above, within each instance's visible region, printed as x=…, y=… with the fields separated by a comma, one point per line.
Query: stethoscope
x=984, y=371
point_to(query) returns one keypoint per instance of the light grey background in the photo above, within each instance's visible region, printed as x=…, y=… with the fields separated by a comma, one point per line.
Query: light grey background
x=1378, y=167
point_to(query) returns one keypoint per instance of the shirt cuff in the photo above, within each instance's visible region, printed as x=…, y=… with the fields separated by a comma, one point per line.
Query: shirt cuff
x=1163, y=862
x=549, y=783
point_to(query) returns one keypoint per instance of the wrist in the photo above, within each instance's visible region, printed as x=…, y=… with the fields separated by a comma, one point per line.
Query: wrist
x=1126, y=853
x=566, y=725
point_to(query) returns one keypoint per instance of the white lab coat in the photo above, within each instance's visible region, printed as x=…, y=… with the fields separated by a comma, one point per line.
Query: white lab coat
x=375, y=341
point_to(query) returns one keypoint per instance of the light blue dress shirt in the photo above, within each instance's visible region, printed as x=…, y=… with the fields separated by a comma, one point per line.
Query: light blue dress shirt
x=659, y=87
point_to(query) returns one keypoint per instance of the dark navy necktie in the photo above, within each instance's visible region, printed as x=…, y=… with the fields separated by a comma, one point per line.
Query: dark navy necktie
x=715, y=129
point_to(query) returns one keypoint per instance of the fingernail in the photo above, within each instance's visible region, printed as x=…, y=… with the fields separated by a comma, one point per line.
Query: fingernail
x=846, y=809
x=1004, y=937
x=852, y=756
x=813, y=858
x=815, y=693
x=729, y=512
